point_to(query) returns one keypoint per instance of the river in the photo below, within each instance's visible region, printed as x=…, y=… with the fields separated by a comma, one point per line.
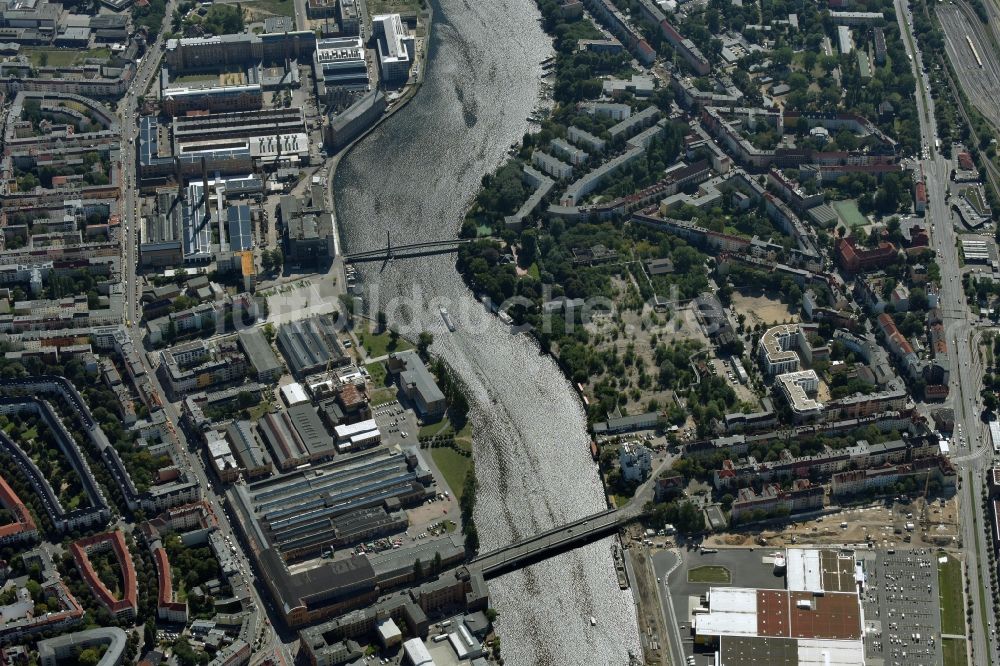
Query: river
x=414, y=176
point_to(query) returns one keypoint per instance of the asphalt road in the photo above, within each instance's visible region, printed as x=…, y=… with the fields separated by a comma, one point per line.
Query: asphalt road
x=271, y=645
x=970, y=441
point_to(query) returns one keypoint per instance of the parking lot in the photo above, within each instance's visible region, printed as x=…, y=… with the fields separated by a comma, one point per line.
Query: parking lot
x=901, y=607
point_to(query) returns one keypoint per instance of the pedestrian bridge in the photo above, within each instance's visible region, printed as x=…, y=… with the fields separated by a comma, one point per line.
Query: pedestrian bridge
x=552, y=542
x=406, y=251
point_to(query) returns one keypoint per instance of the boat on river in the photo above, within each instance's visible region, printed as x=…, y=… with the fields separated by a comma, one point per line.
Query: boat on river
x=447, y=320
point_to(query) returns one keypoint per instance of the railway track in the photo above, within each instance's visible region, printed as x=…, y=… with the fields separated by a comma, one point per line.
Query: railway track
x=992, y=173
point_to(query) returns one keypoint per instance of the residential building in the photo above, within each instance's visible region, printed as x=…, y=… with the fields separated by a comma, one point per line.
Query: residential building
x=772, y=501
x=781, y=347
x=62, y=649
x=636, y=461
x=124, y=606
x=854, y=259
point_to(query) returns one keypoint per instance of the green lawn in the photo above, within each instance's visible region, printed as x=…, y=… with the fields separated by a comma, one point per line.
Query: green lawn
x=709, y=574
x=453, y=466
x=380, y=344
x=382, y=396
x=432, y=429
x=394, y=6
x=621, y=500
x=378, y=373
x=197, y=77
x=62, y=57
x=953, y=650
x=272, y=7
x=849, y=213
x=950, y=588
x=257, y=412
x=463, y=438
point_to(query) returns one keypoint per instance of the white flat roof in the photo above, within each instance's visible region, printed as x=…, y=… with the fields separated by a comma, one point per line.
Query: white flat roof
x=732, y=600
x=823, y=652
x=348, y=431
x=294, y=394
x=417, y=652
x=733, y=612
x=387, y=629
x=726, y=624
x=218, y=448
x=803, y=570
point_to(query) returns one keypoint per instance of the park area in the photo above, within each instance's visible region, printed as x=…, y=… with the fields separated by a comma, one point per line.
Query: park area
x=382, y=343
x=849, y=214
x=451, y=451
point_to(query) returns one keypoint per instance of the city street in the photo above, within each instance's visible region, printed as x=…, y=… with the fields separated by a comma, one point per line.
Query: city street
x=966, y=372
x=266, y=644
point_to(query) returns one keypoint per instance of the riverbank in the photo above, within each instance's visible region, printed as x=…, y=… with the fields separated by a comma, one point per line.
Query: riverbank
x=334, y=162
x=447, y=440
x=414, y=176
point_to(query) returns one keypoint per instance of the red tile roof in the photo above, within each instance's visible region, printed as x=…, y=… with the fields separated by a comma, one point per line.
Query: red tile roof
x=23, y=522
x=165, y=594
x=116, y=540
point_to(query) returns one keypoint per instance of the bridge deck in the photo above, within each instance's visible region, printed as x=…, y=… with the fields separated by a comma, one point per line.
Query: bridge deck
x=551, y=542
x=416, y=249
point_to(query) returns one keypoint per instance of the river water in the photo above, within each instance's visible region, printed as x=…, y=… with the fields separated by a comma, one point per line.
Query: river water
x=414, y=176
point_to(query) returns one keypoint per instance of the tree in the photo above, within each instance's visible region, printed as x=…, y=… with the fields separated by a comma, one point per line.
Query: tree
x=529, y=248
x=418, y=569
x=88, y=657
x=424, y=341
x=382, y=319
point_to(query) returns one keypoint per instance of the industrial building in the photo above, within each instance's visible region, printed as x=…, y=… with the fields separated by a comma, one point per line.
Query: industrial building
x=310, y=345
x=395, y=48
x=417, y=383
x=340, y=64
x=296, y=437
x=265, y=362
x=356, y=436
x=177, y=100
x=238, y=223
x=347, y=125
x=307, y=232
x=237, y=125
x=351, y=499
x=233, y=143
x=772, y=626
x=250, y=455
x=210, y=53
x=157, y=160
x=273, y=138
